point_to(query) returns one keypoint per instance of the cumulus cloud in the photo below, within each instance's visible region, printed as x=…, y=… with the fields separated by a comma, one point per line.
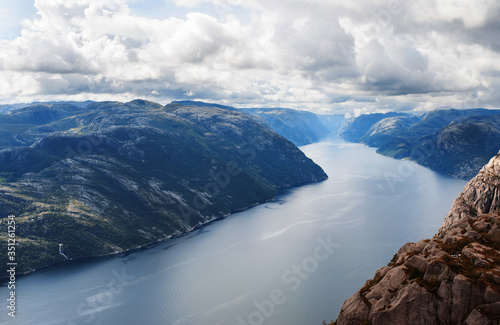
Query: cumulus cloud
x=316, y=54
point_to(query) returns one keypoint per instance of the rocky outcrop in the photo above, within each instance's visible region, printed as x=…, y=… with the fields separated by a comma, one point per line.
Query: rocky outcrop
x=453, y=278
x=480, y=196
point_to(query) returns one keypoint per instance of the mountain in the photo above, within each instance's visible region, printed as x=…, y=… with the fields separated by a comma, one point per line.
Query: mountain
x=332, y=122
x=110, y=176
x=355, y=128
x=453, y=278
x=453, y=142
x=8, y=107
x=203, y=104
x=300, y=127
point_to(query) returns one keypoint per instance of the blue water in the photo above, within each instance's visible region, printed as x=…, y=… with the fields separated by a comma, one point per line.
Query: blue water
x=290, y=261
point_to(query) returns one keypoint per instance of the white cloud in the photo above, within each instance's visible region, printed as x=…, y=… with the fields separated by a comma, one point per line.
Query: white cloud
x=470, y=13
x=297, y=53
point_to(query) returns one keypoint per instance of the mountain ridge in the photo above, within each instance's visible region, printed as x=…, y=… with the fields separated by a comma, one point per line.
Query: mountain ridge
x=300, y=127
x=452, y=142
x=112, y=176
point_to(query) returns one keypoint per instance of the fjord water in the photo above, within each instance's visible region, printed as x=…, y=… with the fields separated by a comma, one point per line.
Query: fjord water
x=290, y=261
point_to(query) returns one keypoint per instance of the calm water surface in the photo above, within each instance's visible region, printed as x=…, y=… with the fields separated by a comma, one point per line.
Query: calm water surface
x=290, y=261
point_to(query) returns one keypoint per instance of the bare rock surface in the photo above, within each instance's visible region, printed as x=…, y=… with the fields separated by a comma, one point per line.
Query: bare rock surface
x=454, y=278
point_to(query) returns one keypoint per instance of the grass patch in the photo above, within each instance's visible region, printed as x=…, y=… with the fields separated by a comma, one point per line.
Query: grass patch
x=456, y=246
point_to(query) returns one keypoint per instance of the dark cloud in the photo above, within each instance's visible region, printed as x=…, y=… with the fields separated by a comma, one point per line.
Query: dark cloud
x=487, y=35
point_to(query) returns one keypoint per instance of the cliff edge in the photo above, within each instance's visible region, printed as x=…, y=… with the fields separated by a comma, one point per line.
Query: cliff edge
x=453, y=278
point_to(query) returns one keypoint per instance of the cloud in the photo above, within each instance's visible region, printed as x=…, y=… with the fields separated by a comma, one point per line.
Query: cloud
x=372, y=55
x=470, y=13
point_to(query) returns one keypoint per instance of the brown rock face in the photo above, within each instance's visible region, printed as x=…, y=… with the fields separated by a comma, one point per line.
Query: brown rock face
x=481, y=195
x=452, y=279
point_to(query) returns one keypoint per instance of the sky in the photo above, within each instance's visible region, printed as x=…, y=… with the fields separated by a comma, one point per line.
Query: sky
x=326, y=56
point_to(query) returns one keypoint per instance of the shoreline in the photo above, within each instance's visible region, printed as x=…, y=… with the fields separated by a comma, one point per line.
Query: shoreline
x=405, y=159
x=177, y=234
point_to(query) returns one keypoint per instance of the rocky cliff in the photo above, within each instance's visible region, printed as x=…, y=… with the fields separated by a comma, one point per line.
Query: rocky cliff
x=453, y=278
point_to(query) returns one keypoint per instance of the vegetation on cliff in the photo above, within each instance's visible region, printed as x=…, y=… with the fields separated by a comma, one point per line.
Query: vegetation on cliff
x=106, y=177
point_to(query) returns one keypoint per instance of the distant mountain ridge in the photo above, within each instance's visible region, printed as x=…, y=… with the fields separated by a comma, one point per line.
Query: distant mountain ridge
x=453, y=142
x=203, y=104
x=110, y=176
x=4, y=108
x=300, y=127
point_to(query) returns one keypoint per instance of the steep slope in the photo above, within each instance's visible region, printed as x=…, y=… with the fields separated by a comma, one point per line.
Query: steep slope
x=355, y=128
x=113, y=176
x=453, y=278
x=332, y=122
x=466, y=144
x=387, y=135
x=300, y=127
x=453, y=142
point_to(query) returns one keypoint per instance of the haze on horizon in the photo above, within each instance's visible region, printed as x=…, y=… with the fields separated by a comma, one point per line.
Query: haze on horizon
x=319, y=55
